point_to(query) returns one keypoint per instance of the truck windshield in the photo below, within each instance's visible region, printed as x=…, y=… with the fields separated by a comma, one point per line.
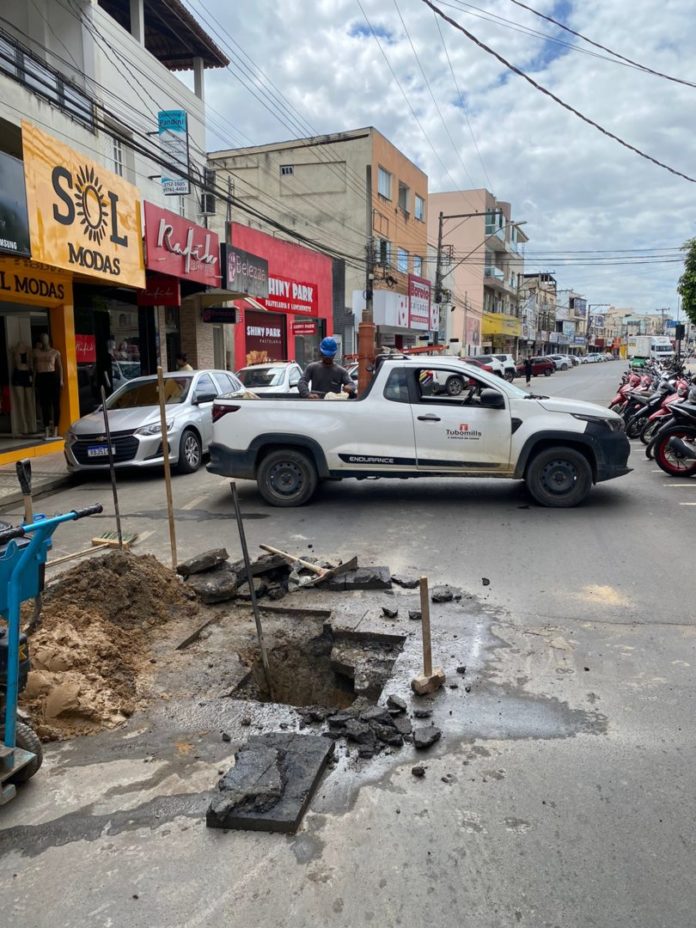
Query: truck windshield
x=261, y=376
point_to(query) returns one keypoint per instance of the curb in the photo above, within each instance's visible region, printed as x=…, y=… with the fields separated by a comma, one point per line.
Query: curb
x=44, y=489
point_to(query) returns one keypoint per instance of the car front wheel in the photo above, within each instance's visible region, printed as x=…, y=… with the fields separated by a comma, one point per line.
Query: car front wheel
x=547, y=372
x=287, y=477
x=559, y=477
x=190, y=452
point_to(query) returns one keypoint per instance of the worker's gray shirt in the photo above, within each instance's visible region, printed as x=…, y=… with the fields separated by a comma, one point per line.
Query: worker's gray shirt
x=324, y=378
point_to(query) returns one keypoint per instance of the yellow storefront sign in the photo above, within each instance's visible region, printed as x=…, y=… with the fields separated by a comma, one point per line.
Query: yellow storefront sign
x=501, y=324
x=82, y=217
x=24, y=281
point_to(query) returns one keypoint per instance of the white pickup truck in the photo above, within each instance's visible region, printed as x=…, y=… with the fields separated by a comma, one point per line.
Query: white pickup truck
x=403, y=426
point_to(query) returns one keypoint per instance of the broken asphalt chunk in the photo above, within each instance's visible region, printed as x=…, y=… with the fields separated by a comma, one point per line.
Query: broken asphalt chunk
x=397, y=703
x=425, y=737
x=271, y=784
x=216, y=585
x=363, y=578
x=445, y=594
x=418, y=771
x=407, y=583
x=422, y=713
x=202, y=562
x=415, y=615
x=389, y=613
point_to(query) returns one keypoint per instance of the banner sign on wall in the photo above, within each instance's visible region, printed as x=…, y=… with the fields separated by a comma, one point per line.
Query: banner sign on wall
x=569, y=329
x=82, y=217
x=226, y=315
x=160, y=290
x=419, y=303
x=14, y=221
x=308, y=327
x=292, y=296
x=244, y=272
x=85, y=349
x=173, y=138
x=25, y=281
x=181, y=248
x=265, y=337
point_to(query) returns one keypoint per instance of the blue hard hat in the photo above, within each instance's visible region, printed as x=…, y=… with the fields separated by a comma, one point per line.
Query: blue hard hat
x=328, y=347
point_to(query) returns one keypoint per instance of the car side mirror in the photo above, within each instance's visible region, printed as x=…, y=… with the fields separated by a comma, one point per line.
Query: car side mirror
x=204, y=398
x=491, y=399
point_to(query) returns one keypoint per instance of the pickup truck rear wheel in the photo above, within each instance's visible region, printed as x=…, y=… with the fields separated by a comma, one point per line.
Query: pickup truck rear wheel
x=559, y=477
x=287, y=477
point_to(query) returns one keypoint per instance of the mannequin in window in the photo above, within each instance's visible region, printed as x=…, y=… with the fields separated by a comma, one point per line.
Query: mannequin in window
x=48, y=368
x=23, y=402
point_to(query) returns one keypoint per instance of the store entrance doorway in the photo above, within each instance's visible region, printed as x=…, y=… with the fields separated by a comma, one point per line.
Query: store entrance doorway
x=20, y=330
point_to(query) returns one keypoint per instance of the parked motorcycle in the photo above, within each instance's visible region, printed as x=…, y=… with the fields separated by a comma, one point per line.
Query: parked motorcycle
x=677, y=458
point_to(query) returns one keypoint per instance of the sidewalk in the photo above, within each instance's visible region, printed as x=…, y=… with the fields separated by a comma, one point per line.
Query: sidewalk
x=48, y=473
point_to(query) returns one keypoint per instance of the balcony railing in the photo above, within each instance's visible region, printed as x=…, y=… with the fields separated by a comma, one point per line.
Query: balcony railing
x=21, y=65
x=495, y=273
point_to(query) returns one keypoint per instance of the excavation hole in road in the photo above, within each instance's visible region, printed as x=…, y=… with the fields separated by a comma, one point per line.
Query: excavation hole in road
x=331, y=669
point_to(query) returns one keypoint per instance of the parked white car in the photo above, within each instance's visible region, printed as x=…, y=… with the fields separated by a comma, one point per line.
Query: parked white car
x=274, y=377
x=493, y=362
x=592, y=358
x=563, y=362
x=509, y=364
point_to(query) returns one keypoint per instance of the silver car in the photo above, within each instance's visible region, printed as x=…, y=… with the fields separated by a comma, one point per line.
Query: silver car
x=273, y=377
x=134, y=422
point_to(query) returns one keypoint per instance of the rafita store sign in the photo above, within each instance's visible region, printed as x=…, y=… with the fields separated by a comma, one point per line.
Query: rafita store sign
x=82, y=217
x=181, y=248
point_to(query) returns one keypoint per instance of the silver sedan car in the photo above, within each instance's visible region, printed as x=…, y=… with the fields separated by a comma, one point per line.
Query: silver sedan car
x=134, y=422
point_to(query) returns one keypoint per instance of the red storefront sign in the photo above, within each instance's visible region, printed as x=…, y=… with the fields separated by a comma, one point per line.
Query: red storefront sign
x=85, y=349
x=418, y=303
x=180, y=248
x=265, y=337
x=305, y=328
x=160, y=290
x=291, y=296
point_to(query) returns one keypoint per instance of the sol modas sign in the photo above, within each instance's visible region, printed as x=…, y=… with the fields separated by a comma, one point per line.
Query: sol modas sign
x=82, y=217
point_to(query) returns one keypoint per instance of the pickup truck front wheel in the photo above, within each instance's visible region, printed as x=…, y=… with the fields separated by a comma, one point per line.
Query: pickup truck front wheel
x=287, y=477
x=559, y=477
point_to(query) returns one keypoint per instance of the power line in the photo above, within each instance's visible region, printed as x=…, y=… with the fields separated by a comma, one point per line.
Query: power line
x=548, y=93
x=635, y=64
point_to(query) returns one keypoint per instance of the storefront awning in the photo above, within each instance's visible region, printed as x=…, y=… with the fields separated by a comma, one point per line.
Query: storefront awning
x=216, y=295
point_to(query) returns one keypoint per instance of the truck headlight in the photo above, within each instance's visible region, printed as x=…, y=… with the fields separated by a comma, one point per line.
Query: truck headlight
x=614, y=425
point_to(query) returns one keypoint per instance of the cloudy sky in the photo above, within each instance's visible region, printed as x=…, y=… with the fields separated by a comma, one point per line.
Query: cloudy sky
x=597, y=214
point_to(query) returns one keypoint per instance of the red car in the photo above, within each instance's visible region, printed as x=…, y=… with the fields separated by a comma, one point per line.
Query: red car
x=540, y=366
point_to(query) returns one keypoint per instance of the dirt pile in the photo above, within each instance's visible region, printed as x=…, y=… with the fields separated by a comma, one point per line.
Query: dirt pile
x=93, y=642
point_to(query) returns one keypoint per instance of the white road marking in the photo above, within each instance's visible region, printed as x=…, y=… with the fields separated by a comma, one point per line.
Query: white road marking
x=143, y=536
x=680, y=485
x=687, y=504
x=196, y=501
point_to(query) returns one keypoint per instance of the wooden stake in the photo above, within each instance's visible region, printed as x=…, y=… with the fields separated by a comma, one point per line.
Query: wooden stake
x=112, y=470
x=425, y=613
x=167, y=466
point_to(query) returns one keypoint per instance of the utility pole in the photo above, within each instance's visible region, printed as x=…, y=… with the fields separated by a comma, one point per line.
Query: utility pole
x=438, y=276
x=366, y=328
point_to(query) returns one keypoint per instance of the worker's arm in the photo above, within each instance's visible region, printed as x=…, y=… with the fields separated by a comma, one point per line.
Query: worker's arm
x=347, y=381
x=304, y=381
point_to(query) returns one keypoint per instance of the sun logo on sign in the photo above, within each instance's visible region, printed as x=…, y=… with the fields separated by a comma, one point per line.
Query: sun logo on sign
x=91, y=204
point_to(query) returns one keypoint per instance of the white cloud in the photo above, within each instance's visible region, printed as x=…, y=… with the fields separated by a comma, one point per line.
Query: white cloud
x=577, y=189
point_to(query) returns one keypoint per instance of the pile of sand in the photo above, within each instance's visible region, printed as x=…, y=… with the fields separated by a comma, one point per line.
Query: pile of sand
x=94, y=642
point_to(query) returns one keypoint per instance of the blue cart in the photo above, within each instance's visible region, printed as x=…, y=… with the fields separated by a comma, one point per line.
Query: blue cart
x=23, y=552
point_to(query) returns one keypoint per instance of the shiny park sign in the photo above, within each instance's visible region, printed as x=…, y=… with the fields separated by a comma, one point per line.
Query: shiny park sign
x=82, y=217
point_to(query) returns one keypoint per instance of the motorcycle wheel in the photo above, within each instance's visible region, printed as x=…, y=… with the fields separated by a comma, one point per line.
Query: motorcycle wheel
x=649, y=430
x=635, y=427
x=666, y=459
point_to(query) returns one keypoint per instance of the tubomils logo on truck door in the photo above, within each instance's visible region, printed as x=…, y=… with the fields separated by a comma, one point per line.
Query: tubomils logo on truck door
x=464, y=431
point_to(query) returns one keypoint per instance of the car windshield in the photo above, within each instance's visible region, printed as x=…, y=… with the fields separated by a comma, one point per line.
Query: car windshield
x=484, y=357
x=137, y=393
x=261, y=376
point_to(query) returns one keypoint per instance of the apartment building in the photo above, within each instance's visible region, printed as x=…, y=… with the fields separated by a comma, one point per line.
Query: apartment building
x=482, y=260
x=357, y=198
x=538, y=304
x=84, y=87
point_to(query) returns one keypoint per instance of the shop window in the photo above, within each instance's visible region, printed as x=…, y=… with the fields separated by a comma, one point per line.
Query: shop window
x=384, y=180
x=402, y=260
x=419, y=210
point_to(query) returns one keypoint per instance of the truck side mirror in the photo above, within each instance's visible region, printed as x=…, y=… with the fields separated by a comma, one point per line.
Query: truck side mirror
x=491, y=399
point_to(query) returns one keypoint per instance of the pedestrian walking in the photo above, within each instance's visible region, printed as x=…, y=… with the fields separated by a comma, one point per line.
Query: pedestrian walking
x=528, y=369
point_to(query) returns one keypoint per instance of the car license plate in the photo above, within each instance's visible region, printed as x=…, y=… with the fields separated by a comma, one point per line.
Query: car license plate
x=98, y=451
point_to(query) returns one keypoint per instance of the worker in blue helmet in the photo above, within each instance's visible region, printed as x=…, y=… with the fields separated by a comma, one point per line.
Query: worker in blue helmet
x=325, y=376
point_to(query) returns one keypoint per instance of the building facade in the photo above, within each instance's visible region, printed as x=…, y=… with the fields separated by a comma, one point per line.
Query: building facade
x=482, y=260
x=83, y=89
x=360, y=200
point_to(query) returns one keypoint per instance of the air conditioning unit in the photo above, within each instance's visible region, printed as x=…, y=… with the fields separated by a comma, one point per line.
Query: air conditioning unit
x=207, y=194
